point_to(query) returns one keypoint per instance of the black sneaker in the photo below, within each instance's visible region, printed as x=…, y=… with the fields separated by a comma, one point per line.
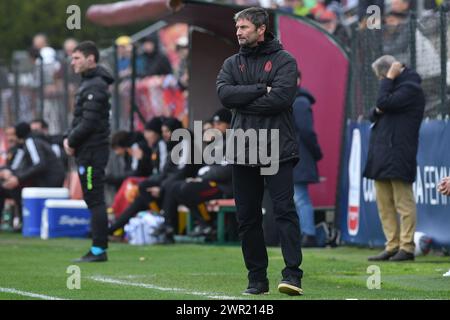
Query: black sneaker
x=402, y=255
x=384, y=256
x=90, y=257
x=291, y=286
x=255, y=288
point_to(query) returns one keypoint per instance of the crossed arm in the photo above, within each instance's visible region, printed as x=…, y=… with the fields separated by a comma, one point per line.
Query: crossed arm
x=259, y=99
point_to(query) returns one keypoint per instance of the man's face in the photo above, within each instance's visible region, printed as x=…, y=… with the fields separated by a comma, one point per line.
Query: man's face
x=393, y=21
x=39, y=42
x=124, y=51
x=247, y=33
x=80, y=63
x=399, y=6
x=380, y=75
x=149, y=47
x=151, y=137
x=207, y=136
x=221, y=126
x=37, y=127
x=69, y=46
x=330, y=26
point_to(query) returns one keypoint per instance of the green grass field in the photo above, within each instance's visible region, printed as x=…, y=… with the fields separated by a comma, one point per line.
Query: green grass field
x=187, y=271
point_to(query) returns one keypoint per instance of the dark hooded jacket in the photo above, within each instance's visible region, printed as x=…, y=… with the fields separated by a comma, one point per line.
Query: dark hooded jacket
x=242, y=87
x=135, y=167
x=56, y=143
x=306, y=169
x=90, y=126
x=35, y=164
x=394, y=137
x=154, y=64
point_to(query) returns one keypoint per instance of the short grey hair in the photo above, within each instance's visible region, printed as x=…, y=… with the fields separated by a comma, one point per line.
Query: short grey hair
x=256, y=15
x=382, y=65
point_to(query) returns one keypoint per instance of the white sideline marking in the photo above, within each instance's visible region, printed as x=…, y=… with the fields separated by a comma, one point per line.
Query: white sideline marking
x=151, y=286
x=28, y=294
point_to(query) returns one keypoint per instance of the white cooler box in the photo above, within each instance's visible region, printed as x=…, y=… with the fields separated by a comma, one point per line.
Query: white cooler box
x=33, y=200
x=65, y=218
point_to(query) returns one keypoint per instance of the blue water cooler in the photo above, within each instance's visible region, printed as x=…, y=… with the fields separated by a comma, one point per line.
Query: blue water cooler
x=33, y=200
x=65, y=218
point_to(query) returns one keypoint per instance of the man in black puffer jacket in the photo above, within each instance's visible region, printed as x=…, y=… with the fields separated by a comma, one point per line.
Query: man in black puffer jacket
x=259, y=84
x=391, y=160
x=87, y=140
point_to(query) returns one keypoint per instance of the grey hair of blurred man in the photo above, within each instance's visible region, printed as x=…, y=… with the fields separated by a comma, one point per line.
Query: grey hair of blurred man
x=382, y=65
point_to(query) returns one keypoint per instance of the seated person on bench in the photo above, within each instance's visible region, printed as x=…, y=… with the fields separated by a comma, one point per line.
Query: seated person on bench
x=153, y=188
x=212, y=182
x=136, y=153
x=34, y=165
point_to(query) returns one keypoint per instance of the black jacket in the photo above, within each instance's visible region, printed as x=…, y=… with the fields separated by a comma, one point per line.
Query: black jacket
x=306, y=169
x=136, y=167
x=394, y=137
x=56, y=143
x=172, y=171
x=90, y=125
x=154, y=64
x=35, y=164
x=133, y=167
x=242, y=86
x=219, y=173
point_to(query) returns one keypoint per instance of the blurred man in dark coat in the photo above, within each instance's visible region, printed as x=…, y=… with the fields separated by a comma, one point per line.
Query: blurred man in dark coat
x=392, y=154
x=305, y=172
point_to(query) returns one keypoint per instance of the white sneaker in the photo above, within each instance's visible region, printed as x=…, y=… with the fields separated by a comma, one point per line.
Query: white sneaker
x=447, y=274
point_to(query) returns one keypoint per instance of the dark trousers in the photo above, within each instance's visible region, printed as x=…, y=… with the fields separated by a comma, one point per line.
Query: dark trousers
x=248, y=186
x=91, y=170
x=15, y=194
x=190, y=194
x=140, y=203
